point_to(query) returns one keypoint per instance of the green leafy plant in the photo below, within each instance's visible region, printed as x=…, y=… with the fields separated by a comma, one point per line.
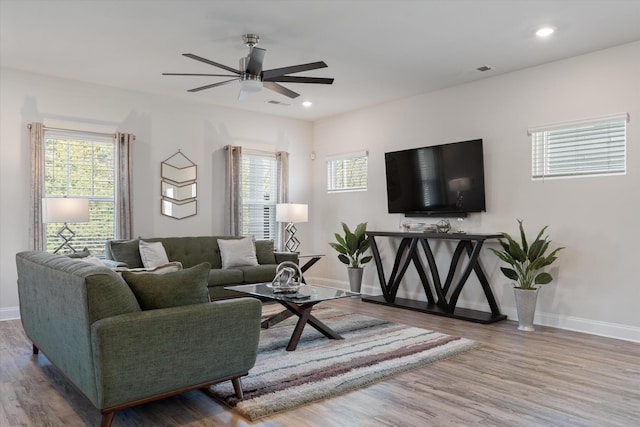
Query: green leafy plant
x=526, y=259
x=352, y=246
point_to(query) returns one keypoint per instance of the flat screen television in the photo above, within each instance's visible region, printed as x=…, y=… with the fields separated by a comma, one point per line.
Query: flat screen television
x=440, y=180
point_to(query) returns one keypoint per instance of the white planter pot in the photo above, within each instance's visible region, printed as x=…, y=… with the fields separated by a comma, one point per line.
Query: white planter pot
x=526, y=305
x=355, y=278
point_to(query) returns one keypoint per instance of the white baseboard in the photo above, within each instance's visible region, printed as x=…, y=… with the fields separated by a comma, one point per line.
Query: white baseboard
x=570, y=323
x=9, y=313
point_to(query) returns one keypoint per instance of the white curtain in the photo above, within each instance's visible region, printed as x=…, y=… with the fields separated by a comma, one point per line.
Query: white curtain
x=282, y=168
x=124, y=144
x=233, y=196
x=36, y=230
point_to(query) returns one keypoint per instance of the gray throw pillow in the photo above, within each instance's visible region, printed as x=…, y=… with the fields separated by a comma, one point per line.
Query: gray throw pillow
x=265, y=252
x=126, y=251
x=184, y=287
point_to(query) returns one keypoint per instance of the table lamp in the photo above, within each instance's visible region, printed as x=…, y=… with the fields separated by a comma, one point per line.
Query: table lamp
x=65, y=210
x=292, y=213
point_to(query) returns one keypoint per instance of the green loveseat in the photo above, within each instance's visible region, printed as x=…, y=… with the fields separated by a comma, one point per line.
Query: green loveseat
x=191, y=251
x=88, y=323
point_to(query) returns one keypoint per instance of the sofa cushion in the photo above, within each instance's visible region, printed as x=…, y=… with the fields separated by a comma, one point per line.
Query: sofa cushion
x=126, y=251
x=223, y=277
x=152, y=254
x=265, y=252
x=237, y=252
x=191, y=251
x=258, y=274
x=185, y=287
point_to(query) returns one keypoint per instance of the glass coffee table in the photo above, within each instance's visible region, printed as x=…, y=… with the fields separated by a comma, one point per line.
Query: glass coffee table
x=299, y=303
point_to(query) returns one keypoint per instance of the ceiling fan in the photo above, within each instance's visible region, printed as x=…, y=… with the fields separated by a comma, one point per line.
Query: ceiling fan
x=252, y=77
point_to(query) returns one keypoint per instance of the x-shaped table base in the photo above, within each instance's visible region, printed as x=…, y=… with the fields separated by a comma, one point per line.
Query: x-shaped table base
x=303, y=311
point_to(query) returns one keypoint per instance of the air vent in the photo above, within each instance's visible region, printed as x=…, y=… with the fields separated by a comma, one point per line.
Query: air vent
x=485, y=68
x=274, y=102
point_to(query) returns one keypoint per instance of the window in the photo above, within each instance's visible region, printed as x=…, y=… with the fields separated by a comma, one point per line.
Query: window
x=79, y=164
x=347, y=172
x=581, y=148
x=259, y=192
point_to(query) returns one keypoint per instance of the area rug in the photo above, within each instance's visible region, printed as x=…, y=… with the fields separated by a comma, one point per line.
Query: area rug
x=372, y=350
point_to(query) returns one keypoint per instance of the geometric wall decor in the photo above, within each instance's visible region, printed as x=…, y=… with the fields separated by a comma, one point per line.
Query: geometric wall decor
x=178, y=187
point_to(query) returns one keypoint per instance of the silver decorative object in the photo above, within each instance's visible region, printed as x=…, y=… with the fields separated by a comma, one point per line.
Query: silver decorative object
x=443, y=226
x=288, y=278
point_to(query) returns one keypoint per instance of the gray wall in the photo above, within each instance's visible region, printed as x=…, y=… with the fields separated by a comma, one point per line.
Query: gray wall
x=596, y=286
x=597, y=277
x=161, y=125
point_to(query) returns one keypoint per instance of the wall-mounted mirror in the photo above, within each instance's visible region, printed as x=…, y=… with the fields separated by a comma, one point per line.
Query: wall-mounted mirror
x=178, y=187
x=177, y=174
x=178, y=192
x=178, y=211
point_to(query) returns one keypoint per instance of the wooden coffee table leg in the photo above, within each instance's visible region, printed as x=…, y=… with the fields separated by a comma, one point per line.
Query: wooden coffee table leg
x=297, y=331
x=303, y=312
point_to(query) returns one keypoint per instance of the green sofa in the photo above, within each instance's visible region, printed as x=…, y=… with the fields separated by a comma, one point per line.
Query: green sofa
x=88, y=323
x=191, y=251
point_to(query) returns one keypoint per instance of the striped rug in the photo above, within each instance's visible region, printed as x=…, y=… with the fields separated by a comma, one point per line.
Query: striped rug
x=320, y=368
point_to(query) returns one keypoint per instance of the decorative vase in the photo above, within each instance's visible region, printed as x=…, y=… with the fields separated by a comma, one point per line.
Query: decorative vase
x=526, y=305
x=355, y=278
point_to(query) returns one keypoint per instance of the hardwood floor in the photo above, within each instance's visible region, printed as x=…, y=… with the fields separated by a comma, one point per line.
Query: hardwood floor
x=550, y=377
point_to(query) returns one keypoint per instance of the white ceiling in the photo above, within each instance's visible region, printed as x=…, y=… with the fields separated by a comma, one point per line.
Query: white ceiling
x=377, y=51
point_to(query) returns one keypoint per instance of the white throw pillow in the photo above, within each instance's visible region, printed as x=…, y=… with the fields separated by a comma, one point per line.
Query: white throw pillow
x=152, y=254
x=237, y=252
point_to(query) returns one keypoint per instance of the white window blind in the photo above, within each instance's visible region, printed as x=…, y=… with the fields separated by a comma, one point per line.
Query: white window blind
x=82, y=164
x=259, y=193
x=347, y=172
x=581, y=148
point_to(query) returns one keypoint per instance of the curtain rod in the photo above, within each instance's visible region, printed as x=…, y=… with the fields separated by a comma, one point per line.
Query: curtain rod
x=79, y=131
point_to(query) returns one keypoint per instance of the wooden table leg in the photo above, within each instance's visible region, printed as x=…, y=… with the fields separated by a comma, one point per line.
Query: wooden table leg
x=303, y=312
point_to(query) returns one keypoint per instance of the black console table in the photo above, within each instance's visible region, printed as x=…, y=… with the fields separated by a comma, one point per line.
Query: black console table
x=436, y=292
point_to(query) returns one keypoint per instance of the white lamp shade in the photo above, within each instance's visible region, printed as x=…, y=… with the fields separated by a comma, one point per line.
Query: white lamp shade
x=65, y=209
x=292, y=212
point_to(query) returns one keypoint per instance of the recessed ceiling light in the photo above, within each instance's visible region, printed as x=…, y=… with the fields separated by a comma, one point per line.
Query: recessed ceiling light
x=307, y=104
x=544, y=32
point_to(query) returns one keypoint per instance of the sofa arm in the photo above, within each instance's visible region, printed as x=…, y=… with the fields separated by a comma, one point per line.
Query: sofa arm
x=143, y=354
x=286, y=256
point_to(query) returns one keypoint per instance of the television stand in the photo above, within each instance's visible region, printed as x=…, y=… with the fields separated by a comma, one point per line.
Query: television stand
x=437, y=302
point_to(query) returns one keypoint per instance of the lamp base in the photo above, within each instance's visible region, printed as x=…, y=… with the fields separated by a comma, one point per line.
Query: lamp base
x=66, y=234
x=291, y=243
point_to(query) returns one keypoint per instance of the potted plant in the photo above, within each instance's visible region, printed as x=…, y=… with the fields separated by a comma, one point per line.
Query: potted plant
x=527, y=261
x=351, y=248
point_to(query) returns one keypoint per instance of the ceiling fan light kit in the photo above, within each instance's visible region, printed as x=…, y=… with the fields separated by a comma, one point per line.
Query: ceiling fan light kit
x=252, y=77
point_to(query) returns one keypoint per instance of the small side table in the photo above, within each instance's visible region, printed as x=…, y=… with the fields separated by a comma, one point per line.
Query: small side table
x=313, y=258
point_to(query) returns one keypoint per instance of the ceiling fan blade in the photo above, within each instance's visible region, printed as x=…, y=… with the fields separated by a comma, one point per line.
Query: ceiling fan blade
x=269, y=74
x=254, y=66
x=280, y=89
x=212, y=85
x=206, y=61
x=190, y=74
x=296, y=79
